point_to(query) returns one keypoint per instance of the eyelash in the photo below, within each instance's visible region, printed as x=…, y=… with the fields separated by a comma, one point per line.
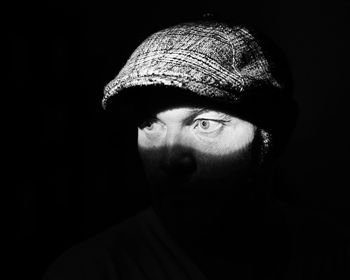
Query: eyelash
x=142, y=125
x=194, y=122
x=214, y=120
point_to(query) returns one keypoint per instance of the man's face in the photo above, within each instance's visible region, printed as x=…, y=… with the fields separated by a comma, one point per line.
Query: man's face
x=194, y=151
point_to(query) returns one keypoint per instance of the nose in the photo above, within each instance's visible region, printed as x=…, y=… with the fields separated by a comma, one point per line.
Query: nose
x=178, y=160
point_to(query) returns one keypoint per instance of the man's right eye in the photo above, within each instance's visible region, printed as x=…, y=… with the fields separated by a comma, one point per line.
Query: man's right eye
x=147, y=124
x=150, y=125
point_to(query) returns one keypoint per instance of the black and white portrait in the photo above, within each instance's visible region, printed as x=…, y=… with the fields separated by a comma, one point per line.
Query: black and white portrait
x=181, y=140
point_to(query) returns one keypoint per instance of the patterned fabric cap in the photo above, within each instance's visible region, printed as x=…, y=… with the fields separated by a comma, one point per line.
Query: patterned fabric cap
x=208, y=58
x=221, y=63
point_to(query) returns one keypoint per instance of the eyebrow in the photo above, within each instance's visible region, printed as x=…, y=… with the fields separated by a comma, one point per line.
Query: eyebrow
x=192, y=114
x=196, y=112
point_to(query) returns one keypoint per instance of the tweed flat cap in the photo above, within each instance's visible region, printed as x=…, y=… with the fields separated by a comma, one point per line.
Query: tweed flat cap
x=208, y=58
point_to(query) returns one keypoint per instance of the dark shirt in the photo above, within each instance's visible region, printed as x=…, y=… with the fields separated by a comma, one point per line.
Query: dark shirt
x=307, y=247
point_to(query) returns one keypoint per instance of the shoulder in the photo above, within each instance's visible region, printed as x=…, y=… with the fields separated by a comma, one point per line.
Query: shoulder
x=83, y=261
x=97, y=256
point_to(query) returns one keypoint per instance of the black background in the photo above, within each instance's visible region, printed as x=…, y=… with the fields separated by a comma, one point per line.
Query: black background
x=75, y=168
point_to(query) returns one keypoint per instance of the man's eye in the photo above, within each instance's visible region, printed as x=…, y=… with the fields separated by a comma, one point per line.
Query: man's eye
x=207, y=126
x=150, y=125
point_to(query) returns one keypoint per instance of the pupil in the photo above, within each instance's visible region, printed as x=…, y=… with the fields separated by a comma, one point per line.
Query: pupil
x=205, y=124
x=147, y=124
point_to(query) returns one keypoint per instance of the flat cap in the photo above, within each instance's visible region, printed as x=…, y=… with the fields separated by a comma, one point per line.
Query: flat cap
x=210, y=59
x=230, y=65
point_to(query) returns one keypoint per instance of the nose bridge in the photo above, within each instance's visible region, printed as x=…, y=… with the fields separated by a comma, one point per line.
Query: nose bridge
x=177, y=158
x=176, y=143
x=174, y=137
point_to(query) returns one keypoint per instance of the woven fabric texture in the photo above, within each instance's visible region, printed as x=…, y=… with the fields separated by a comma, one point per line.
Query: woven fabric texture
x=208, y=58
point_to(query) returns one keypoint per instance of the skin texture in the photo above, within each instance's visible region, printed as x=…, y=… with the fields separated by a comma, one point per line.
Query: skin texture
x=198, y=163
x=208, y=131
x=184, y=149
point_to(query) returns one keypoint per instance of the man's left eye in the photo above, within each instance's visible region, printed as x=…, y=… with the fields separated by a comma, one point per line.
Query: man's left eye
x=207, y=126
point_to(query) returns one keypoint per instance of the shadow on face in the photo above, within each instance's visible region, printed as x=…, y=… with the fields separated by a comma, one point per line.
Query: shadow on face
x=193, y=150
x=184, y=149
x=201, y=165
x=200, y=161
x=180, y=169
x=196, y=159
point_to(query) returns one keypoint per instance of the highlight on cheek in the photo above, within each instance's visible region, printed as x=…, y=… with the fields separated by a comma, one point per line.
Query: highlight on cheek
x=232, y=138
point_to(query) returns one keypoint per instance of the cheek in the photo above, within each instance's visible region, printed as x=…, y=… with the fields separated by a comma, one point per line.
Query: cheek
x=227, y=160
x=225, y=168
x=231, y=141
x=150, y=159
x=211, y=170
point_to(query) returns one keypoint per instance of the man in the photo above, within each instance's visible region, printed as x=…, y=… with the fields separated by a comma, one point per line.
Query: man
x=213, y=109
